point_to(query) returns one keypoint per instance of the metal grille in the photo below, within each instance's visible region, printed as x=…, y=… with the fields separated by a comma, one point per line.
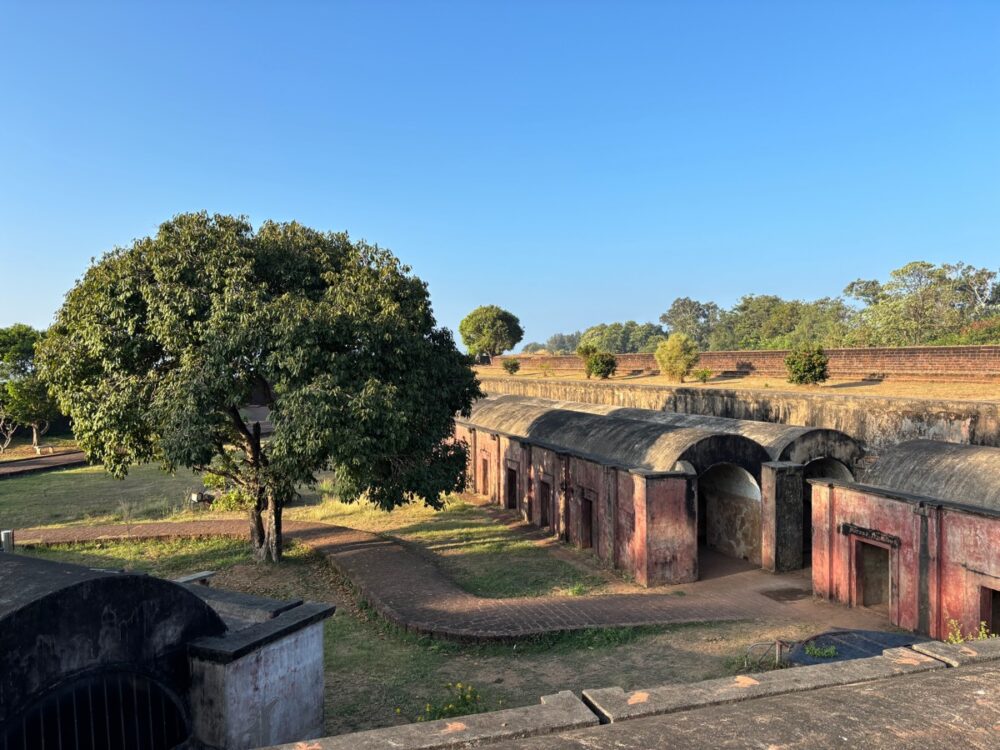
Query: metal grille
x=119, y=711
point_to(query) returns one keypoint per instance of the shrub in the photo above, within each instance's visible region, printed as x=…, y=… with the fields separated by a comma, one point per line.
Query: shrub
x=807, y=365
x=601, y=364
x=460, y=700
x=676, y=356
x=585, y=352
x=511, y=365
x=703, y=375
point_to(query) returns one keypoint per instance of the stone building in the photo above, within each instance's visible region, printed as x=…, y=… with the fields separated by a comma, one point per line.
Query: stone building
x=920, y=540
x=103, y=660
x=645, y=490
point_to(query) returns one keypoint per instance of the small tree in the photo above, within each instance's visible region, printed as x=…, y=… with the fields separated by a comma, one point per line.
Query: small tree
x=490, y=330
x=807, y=365
x=585, y=351
x=601, y=364
x=511, y=366
x=25, y=399
x=30, y=404
x=677, y=356
x=7, y=424
x=158, y=347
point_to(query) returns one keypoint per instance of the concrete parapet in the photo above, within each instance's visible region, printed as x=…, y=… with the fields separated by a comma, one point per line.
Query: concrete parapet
x=614, y=704
x=555, y=713
x=957, y=654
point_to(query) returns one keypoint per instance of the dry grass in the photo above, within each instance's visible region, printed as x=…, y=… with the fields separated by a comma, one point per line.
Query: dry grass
x=891, y=388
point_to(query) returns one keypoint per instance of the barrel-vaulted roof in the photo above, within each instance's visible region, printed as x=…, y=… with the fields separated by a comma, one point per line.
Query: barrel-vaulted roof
x=633, y=443
x=966, y=474
x=782, y=442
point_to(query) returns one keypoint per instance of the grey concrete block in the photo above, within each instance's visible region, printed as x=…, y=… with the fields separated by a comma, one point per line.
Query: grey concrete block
x=614, y=704
x=556, y=713
x=957, y=654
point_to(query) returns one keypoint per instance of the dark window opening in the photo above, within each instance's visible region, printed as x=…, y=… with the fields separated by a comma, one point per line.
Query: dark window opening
x=485, y=488
x=586, y=522
x=105, y=712
x=511, y=489
x=991, y=610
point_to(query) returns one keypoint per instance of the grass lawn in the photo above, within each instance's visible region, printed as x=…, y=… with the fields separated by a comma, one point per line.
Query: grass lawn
x=479, y=552
x=89, y=494
x=374, y=668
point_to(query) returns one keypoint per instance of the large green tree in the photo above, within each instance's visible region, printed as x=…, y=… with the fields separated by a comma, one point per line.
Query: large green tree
x=694, y=319
x=157, y=349
x=490, y=330
x=624, y=338
x=24, y=398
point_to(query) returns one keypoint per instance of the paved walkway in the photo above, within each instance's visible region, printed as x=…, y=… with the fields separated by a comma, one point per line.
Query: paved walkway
x=412, y=592
x=20, y=466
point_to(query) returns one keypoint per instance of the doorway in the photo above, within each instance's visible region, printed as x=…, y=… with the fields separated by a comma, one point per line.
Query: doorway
x=991, y=610
x=729, y=512
x=874, y=578
x=511, y=489
x=545, y=501
x=484, y=488
x=586, y=521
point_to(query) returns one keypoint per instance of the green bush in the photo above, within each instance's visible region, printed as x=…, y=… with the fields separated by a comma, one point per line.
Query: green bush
x=511, y=365
x=703, y=375
x=807, y=365
x=460, y=700
x=585, y=352
x=676, y=356
x=601, y=364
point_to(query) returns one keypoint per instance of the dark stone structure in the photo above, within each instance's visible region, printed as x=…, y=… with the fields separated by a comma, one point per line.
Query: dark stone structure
x=101, y=659
x=644, y=489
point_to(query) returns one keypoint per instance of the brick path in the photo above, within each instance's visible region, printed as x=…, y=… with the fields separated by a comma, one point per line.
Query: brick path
x=21, y=466
x=412, y=592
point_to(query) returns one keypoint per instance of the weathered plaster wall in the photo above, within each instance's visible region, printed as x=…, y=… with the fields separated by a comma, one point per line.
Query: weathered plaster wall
x=875, y=421
x=272, y=695
x=940, y=557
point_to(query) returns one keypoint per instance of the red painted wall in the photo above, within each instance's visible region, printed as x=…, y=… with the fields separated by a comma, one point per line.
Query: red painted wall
x=944, y=556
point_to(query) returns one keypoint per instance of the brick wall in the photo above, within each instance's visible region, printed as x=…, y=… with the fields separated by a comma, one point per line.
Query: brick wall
x=903, y=363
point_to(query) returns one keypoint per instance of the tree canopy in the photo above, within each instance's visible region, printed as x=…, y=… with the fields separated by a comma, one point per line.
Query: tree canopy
x=921, y=303
x=490, y=330
x=157, y=349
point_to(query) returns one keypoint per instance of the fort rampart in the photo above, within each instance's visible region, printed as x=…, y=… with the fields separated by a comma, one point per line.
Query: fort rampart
x=968, y=363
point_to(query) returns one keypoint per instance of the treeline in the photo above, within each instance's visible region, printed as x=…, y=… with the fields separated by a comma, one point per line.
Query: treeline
x=920, y=304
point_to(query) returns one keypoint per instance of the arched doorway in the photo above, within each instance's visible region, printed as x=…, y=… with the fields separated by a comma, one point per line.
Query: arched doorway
x=729, y=512
x=820, y=468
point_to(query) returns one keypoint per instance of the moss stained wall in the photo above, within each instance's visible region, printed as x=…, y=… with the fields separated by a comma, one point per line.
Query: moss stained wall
x=875, y=421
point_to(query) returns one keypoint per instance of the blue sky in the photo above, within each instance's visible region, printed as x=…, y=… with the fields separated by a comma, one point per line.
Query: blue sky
x=574, y=162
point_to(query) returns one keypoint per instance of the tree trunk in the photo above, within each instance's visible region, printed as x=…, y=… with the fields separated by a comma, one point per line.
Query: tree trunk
x=265, y=530
x=37, y=430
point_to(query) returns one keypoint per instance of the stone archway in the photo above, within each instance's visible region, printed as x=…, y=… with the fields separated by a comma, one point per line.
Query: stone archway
x=729, y=512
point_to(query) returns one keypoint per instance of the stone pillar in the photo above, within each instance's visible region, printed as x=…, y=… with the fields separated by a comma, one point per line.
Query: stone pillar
x=781, y=522
x=668, y=512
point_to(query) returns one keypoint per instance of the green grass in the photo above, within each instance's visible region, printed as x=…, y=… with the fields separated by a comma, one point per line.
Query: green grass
x=91, y=495
x=166, y=558
x=481, y=554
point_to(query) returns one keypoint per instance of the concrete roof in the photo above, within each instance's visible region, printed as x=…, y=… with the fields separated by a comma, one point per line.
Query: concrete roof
x=782, y=442
x=967, y=474
x=633, y=443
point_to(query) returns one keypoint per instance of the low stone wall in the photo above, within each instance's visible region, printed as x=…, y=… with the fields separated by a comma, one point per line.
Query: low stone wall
x=877, y=422
x=967, y=363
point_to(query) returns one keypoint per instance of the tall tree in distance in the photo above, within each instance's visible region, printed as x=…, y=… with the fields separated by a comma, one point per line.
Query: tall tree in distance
x=694, y=319
x=158, y=347
x=490, y=330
